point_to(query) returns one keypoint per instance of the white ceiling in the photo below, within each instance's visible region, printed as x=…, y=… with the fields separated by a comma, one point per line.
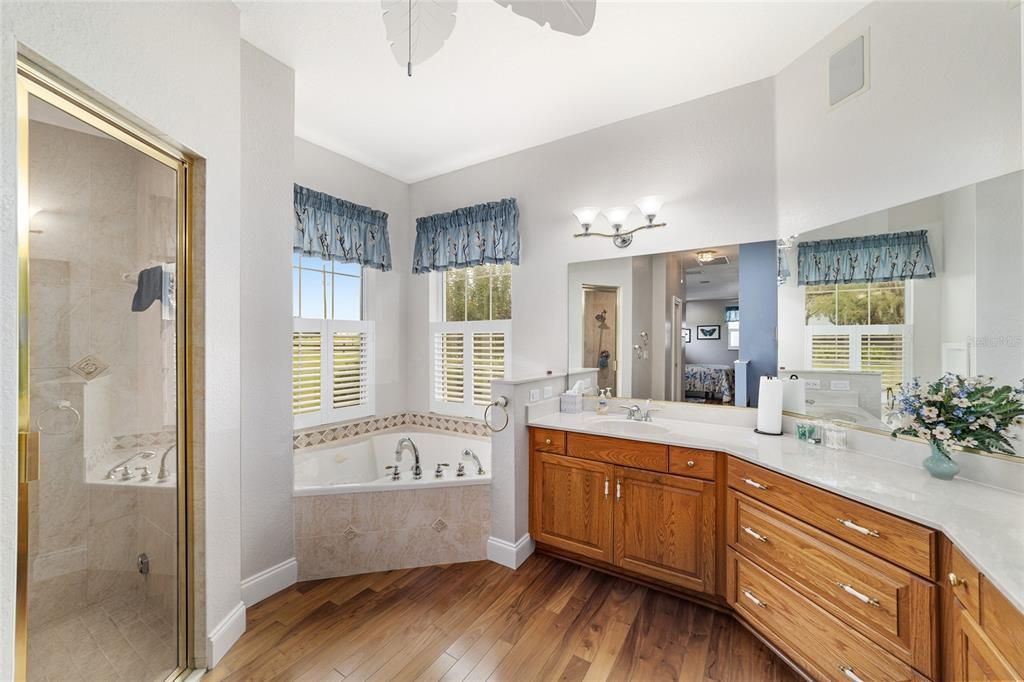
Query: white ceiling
x=712, y=282
x=502, y=83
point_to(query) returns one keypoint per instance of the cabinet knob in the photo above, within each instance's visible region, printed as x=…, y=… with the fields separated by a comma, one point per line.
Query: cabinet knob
x=547, y=441
x=957, y=581
x=690, y=463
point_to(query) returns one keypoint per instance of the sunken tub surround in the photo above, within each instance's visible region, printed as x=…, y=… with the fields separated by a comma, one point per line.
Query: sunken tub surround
x=351, y=518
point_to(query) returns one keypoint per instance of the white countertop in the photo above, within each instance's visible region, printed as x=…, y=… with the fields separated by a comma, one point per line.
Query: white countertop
x=985, y=522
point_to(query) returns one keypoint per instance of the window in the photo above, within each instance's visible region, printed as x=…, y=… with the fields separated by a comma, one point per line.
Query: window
x=332, y=358
x=470, y=348
x=860, y=327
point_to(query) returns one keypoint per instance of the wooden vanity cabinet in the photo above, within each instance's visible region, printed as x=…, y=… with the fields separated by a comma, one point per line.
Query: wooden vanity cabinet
x=571, y=504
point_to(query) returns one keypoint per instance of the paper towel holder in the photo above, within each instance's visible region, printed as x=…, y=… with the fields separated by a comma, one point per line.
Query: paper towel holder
x=765, y=433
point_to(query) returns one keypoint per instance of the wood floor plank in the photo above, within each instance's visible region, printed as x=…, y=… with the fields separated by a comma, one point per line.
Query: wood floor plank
x=548, y=620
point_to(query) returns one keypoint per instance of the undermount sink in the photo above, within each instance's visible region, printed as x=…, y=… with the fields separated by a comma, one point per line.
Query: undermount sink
x=626, y=427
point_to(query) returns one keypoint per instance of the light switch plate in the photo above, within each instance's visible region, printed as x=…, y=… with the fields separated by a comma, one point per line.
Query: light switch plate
x=534, y=395
x=839, y=385
x=812, y=383
x=548, y=391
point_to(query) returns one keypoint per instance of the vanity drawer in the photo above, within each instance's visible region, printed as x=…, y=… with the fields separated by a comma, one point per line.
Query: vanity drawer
x=547, y=440
x=894, y=539
x=890, y=605
x=964, y=581
x=692, y=462
x=627, y=453
x=824, y=647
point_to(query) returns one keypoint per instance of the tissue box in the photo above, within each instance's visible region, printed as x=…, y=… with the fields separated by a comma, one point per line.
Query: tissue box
x=571, y=403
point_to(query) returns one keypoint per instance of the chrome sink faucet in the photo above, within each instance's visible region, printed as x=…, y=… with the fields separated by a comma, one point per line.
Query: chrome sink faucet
x=637, y=414
x=417, y=470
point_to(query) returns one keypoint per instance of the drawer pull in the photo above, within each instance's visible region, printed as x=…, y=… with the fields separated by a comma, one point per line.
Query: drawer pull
x=860, y=529
x=754, y=534
x=848, y=671
x=690, y=463
x=752, y=482
x=618, y=490
x=849, y=589
x=750, y=595
x=606, y=487
x=547, y=441
x=957, y=581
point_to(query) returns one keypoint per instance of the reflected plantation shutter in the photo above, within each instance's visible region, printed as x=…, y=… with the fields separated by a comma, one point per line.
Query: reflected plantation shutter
x=830, y=351
x=332, y=371
x=883, y=353
x=467, y=355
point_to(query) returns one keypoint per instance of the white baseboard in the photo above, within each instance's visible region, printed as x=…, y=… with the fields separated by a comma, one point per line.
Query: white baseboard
x=224, y=636
x=508, y=554
x=269, y=581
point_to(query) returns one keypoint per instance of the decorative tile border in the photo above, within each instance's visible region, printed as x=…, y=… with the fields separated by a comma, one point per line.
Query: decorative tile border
x=337, y=432
x=131, y=441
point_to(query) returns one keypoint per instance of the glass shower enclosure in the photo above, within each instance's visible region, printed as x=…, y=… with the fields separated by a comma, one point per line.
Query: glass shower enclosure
x=102, y=591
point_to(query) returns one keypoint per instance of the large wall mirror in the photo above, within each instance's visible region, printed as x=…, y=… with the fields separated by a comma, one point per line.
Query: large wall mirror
x=850, y=312
x=694, y=326
x=917, y=291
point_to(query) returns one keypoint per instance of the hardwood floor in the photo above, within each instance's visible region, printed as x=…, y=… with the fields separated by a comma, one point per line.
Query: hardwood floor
x=550, y=620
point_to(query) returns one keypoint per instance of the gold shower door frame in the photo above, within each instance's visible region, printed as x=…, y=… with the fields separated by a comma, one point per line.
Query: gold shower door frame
x=36, y=82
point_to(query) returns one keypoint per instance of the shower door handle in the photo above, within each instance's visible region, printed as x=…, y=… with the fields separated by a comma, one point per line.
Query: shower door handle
x=28, y=456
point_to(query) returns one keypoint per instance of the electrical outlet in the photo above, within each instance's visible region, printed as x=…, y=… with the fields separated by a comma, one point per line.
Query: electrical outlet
x=812, y=383
x=839, y=385
x=534, y=395
x=548, y=391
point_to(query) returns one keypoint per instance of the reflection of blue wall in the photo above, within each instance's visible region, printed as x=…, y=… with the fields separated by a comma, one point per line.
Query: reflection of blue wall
x=759, y=313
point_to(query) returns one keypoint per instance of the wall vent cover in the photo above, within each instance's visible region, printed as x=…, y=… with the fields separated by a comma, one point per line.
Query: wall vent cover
x=848, y=71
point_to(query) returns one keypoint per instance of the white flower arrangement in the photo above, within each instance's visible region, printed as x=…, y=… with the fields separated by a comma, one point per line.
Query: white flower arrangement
x=957, y=411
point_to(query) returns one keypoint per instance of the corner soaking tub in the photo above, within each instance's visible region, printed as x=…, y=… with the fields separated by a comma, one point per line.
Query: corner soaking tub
x=359, y=465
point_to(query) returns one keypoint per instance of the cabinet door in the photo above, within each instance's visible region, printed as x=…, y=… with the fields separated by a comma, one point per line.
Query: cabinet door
x=571, y=505
x=976, y=659
x=665, y=528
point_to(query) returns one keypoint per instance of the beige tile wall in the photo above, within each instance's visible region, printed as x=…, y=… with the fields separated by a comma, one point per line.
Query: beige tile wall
x=351, y=533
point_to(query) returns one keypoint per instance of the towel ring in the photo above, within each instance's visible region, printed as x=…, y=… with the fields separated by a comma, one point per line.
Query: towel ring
x=61, y=405
x=501, y=402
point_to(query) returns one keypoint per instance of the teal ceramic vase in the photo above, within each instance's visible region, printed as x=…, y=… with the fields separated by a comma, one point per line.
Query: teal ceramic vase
x=939, y=464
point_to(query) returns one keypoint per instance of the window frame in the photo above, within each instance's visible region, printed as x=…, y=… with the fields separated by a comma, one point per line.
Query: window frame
x=467, y=407
x=328, y=414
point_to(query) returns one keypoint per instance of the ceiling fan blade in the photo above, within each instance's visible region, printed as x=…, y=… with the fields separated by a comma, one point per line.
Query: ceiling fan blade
x=417, y=29
x=575, y=17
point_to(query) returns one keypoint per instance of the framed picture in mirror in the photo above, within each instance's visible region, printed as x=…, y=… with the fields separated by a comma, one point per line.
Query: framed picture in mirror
x=709, y=332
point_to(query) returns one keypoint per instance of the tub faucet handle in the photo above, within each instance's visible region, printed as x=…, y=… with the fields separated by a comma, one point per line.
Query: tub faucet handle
x=396, y=474
x=461, y=471
x=438, y=472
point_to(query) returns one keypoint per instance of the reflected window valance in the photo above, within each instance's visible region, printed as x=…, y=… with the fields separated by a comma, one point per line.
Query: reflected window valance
x=334, y=229
x=732, y=313
x=475, y=235
x=856, y=260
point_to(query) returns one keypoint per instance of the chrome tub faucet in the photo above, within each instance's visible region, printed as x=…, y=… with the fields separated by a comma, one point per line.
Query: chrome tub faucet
x=417, y=470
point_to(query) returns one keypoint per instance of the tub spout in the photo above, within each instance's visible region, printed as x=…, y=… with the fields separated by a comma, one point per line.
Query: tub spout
x=417, y=470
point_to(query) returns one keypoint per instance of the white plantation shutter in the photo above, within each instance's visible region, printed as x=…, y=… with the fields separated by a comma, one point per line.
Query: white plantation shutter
x=883, y=353
x=449, y=367
x=465, y=358
x=349, y=375
x=332, y=371
x=830, y=351
x=488, y=364
x=305, y=372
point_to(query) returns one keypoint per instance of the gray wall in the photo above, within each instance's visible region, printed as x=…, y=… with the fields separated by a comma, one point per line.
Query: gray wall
x=707, y=352
x=759, y=314
x=267, y=133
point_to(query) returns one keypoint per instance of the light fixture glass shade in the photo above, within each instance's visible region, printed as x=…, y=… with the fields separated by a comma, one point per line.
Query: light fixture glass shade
x=705, y=257
x=650, y=206
x=618, y=215
x=586, y=214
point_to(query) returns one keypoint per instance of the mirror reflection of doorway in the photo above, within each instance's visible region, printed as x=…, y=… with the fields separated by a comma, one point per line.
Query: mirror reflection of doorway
x=600, y=334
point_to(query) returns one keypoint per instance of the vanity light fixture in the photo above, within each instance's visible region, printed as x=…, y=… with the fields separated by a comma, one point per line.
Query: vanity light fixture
x=617, y=216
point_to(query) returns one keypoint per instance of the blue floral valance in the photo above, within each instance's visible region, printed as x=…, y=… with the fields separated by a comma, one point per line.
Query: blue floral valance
x=856, y=260
x=338, y=230
x=485, y=233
